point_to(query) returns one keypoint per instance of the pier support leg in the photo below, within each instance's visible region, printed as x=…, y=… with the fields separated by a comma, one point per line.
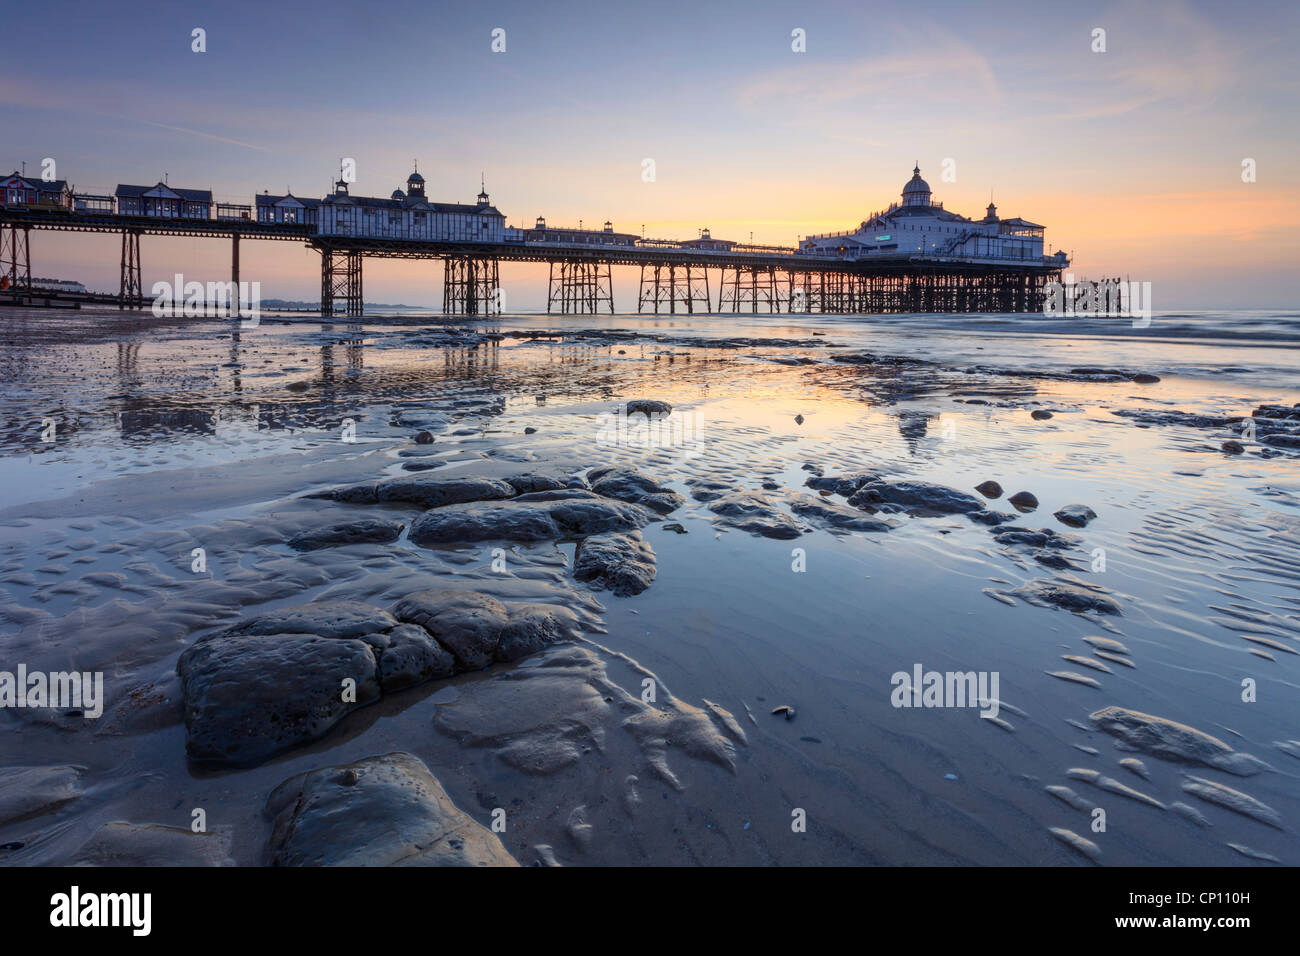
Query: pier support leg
x=471, y=285
x=16, y=258
x=132, y=292
x=583, y=286
x=340, y=282
x=234, y=275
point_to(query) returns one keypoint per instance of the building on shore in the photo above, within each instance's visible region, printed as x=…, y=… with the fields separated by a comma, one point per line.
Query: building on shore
x=918, y=225
x=164, y=202
x=409, y=215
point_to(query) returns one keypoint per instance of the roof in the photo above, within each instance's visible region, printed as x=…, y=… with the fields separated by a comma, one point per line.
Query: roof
x=1023, y=223
x=190, y=195
x=412, y=202
x=266, y=199
x=40, y=185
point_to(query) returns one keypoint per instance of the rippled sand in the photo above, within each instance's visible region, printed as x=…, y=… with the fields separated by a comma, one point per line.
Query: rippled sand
x=1182, y=595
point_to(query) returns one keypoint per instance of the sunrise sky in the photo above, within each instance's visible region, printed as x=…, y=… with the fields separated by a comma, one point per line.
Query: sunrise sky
x=1131, y=157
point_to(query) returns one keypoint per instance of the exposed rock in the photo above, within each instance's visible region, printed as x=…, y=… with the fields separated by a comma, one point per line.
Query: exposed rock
x=1066, y=596
x=152, y=844
x=1042, y=538
x=249, y=697
x=708, y=489
x=424, y=438
x=477, y=628
x=570, y=516
x=989, y=489
x=1145, y=378
x=757, y=514
x=432, y=492
x=384, y=810
x=361, y=531
x=29, y=791
x=628, y=484
x=1076, y=516
x=844, y=485
x=914, y=497
x=836, y=517
x=1040, y=414
x=276, y=680
x=1174, y=741
x=623, y=563
x=1023, y=501
x=648, y=406
x=524, y=484
x=1232, y=447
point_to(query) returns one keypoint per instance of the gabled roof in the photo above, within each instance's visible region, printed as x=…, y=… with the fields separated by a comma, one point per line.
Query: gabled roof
x=40, y=185
x=266, y=199
x=1023, y=223
x=164, y=191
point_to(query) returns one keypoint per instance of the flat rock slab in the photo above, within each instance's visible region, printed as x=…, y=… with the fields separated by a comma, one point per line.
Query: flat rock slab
x=628, y=484
x=914, y=497
x=1067, y=596
x=152, y=844
x=30, y=791
x=385, y=810
x=836, y=517
x=621, y=563
x=361, y=531
x=568, y=517
x=755, y=513
x=478, y=629
x=276, y=680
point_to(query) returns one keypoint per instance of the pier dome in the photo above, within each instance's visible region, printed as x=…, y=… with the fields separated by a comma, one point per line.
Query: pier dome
x=916, y=191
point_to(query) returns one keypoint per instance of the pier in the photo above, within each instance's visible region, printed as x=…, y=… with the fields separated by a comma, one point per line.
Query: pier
x=924, y=259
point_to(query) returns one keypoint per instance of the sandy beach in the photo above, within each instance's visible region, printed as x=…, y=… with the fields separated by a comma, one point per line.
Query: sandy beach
x=664, y=632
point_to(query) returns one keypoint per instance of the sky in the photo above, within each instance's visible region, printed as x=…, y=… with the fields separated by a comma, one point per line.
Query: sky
x=1132, y=157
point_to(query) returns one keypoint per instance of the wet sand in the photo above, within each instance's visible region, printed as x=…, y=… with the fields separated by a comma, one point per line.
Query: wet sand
x=766, y=591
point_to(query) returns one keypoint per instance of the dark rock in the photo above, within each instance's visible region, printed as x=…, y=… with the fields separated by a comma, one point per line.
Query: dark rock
x=1280, y=440
x=152, y=844
x=1042, y=538
x=836, y=517
x=1076, y=516
x=989, y=489
x=424, y=438
x=524, y=484
x=628, y=484
x=990, y=517
x=844, y=485
x=1023, y=501
x=361, y=531
x=798, y=419
x=433, y=492
x=249, y=697
x=675, y=528
x=1146, y=378
x=1067, y=596
x=530, y=430
x=1040, y=414
x=275, y=680
x=623, y=563
x=708, y=489
x=381, y=811
x=481, y=521
x=648, y=407
x=477, y=628
x=756, y=514
x=1233, y=447
x=914, y=497
x=1053, y=559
